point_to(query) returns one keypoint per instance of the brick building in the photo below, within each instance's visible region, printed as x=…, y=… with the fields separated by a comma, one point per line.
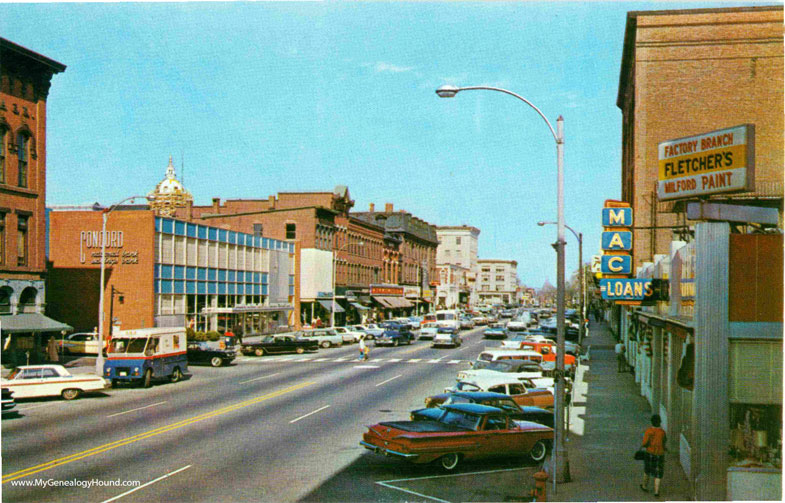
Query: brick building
x=688, y=72
x=25, y=78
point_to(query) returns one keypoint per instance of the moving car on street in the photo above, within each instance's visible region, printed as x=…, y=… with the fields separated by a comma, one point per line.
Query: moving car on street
x=33, y=381
x=325, y=337
x=349, y=335
x=463, y=431
x=214, y=354
x=495, y=332
x=429, y=330
x=278, y=344
x=446, y=337
x=395, y=334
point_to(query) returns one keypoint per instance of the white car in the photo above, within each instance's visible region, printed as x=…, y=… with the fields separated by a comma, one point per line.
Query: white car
x=507, y=369
x=446, y=339
x=349, y=335
x=80, y=343
x=33, y=381
x=429, y=330
x=326, y=337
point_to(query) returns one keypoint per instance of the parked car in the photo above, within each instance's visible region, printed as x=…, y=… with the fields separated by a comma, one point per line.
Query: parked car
x=531, y=375
x=8, y=403
x=33, y=381
x=467, y=323
x=80, y=343
x=446, y=337
x=325, y=337
x=429, y=330
x=395, y=334
x=214, y=354
x=538, y=397
x=279, y=344
x=498, y=400
x=494, y=354
x=415, y=322
x=463, y=431
x=349, y=335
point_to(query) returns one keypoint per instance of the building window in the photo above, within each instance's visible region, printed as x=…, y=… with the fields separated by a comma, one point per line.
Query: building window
x=291, y=231
x=2, y=238
x=257, y=230
x=22, y=145
x=458, y=240
x=21, y=242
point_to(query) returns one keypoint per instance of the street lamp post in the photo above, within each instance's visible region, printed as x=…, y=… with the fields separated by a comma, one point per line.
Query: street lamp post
x=335, y=259
x=582, y=281
x=99, y=362
x=561, y=464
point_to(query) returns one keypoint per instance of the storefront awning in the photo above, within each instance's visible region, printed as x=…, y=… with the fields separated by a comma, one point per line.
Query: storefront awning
x=384, y=301
x=359, y=306
x=30, y=322
x=328, y=304
x=392, y=302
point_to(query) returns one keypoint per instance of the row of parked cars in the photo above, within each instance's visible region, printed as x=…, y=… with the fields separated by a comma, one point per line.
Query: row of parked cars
x=502, y=406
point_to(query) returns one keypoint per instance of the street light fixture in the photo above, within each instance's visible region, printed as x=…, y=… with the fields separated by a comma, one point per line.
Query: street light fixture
x=335, y=259
x=579, y=237
x=99, y=362
x=561, y=465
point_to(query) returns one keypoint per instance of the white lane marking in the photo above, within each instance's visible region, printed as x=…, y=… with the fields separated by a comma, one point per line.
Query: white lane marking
x=453, y=475
x=340, y=359
x=453, y=362
x=257, y=378
x=366, y=366
x=414, y=360
x=309, y=414
x=321, y=359
x=394, y=360
x=33, y=407
x=388, y=380
x=147, y=484
x=411, y=492
x=303, y=359
x=436, y=360
x=138, y=408
x=376, y=360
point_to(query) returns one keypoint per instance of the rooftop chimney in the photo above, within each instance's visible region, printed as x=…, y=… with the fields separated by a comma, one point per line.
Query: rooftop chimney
x=271, y=203
x=216, y=204
x=371, y=208
x=388, y=207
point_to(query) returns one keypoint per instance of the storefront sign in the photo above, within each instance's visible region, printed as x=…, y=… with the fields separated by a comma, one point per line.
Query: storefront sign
x=617, y=217
x=411, y=292
x=616, y=264
x=386, y=290
x=711, y=163
x=617, y=241
x=633, y=289
x=90, y=243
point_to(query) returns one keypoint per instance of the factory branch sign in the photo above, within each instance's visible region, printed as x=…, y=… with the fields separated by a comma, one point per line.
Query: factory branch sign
x=711, y=163
x=113, y=242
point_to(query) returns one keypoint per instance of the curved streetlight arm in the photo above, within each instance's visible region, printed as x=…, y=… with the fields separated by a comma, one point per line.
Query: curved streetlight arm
x=449, y=92
x=565, y=226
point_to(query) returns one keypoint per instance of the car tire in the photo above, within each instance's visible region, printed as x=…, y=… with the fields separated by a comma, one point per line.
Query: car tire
x=326, y=344
x=539, y=451
x=147, y=380
x=70, y=394
x=300, y=350
x=258, y=351
x=114, y=383
x=177, y=375
x=216, y=361
x=450, y=461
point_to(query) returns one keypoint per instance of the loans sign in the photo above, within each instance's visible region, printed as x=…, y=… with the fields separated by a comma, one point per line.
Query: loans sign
x=634, y=290
x=710, y=163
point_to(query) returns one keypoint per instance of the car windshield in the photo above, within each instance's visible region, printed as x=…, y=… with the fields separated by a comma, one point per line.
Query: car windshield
x=131, y=345
x=269, y=339
x=505, y=404
x=461, y=420
x=500, y=366
x=465, y=386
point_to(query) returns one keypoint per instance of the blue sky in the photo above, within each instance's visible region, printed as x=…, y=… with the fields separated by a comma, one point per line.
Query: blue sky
x=259, y=98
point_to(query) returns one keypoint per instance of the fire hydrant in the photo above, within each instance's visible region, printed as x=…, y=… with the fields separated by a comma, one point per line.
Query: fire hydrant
x=540, y=479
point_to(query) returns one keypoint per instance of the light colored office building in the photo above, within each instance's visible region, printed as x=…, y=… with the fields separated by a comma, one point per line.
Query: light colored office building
x=497, y=281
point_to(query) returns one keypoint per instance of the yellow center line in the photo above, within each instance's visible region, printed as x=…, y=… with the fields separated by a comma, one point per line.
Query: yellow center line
x=148, y=434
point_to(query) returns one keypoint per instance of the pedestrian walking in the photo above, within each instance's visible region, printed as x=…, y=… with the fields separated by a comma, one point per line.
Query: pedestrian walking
x=364, y=350
x=621, y=361
x=654, y=439
x=51, y=350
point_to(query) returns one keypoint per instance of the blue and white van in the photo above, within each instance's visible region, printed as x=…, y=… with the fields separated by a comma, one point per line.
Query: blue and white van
x=145, y=354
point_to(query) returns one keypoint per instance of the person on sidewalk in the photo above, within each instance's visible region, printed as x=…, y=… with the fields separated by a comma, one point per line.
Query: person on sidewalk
x=654, y=463
x=621, y=361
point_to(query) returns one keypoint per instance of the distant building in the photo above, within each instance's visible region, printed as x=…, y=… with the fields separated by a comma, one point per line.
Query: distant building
x=497, y=281
x=25, y=78
x=458, y=247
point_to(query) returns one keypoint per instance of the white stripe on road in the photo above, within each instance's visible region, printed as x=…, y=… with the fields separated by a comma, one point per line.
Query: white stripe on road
x=322, y=360
x=309, y=414
x=303, y=359
x=147, y=484
x=342, y=359
x=415, y=360
x=257, y=378
x=366, y=366
x=453, y=362
x=138, y=408
x=383, y=484
x=388, y=380
x=394, y=360
x=435, y=360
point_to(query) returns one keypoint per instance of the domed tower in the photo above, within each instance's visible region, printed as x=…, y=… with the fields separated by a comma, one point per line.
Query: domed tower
x=169, y=194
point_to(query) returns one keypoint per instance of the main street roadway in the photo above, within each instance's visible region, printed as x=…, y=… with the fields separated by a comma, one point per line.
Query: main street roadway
x=281, y=428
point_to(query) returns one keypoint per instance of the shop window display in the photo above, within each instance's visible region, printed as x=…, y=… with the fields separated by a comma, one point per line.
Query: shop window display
x=756, y=435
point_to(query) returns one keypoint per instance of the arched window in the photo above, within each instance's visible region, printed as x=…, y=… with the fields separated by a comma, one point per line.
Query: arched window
x=22, y=153
x=27, y=300
x=5, y=299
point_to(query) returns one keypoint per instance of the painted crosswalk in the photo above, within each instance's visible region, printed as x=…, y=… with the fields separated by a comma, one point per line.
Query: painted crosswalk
x=344, y=359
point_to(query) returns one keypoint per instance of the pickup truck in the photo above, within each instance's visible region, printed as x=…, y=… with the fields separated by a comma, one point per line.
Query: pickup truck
x=463, y=431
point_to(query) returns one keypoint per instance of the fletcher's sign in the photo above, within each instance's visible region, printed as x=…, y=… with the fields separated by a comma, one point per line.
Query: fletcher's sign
x=715, y=162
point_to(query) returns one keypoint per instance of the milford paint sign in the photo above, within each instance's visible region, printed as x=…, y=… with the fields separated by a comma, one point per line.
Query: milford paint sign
x=711, y=163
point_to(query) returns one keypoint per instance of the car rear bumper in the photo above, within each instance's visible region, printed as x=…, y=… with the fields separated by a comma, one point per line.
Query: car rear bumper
x=387, y=452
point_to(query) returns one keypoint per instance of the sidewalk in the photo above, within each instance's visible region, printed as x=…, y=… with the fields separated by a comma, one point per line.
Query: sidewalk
x=607, y=420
